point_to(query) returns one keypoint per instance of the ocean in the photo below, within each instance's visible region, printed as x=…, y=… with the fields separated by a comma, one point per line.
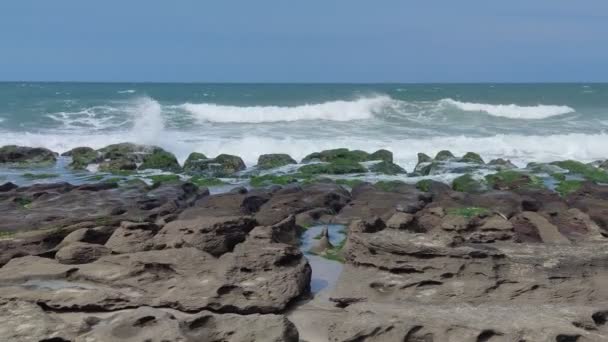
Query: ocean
x=520, y=122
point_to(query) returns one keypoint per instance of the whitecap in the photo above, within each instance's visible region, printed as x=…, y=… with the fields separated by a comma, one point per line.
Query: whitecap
x=128, y=91
x=511, y=111
x=360, y=109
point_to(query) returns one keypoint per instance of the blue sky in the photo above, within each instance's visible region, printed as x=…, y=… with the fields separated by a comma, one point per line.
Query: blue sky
x=304, y=41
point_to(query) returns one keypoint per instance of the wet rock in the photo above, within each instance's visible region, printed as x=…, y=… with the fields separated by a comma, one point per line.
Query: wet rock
x=159, y=159
x=323, y=244
x=339, y=167
x=472, y=157
x=26, y=156
x=466, y=183
x=82, y=157
x=384, y=155
x=81, y=253
x=387, y=168
x=271, y=161
x=513, y=180
x=224, y=165
x=338, y=155
x=444, y=155
x=502, y=164
x=8, y=186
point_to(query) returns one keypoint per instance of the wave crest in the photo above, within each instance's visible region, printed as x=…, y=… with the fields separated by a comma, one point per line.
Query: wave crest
x=511, y=111
x=360, y=109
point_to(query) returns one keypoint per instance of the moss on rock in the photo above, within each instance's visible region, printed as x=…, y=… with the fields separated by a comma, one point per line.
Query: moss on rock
x=566, y=187
x=384, y=155
x=21, y=156
x=444, y=155
x=339, y=154
x=472, y=157
x=266, y=180
x=512, y=180
x=160, y=159
x=466, y=183
x=271, y=161
x=589, y=172
x=387, y=168
x=339, y=167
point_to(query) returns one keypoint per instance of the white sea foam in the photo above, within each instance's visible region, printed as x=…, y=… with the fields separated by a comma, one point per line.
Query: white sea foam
x=148, y=122
x=520, y=149
x=128, y=91
x=511, y=111
x=359, y=109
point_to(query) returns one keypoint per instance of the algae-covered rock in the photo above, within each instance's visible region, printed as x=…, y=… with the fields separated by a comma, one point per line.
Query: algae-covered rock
x=271, y=161
x=122, y=157
x=384, y=155
x=337, y=154
x=502, y=164
x=444, y=155
x=424, y=158
x=589, y=172
x=466, y=183
x=223, y=165
x=387, y=168
x=472, y=157
x=193, y=160
x=26, y=156
x=512, y=180
x=339, y=167
x=159, y=159
x=566, y=187
x=82, y=157
x=266, y=180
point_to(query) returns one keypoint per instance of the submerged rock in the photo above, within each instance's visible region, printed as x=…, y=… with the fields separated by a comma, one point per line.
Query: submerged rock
x=323, y=244
x=26, y=156
x=271, y=161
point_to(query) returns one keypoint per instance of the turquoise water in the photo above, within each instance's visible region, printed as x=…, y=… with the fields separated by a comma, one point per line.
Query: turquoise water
x=538, y=122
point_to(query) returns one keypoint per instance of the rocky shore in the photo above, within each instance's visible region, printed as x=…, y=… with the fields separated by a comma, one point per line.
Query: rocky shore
x=491, y=253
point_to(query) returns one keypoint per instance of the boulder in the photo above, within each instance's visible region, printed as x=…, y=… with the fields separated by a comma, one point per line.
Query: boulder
x=26, y=156
x=387, y=168
x=271, y=161
x=472, y=157
x=82, y=157
x=223, y=165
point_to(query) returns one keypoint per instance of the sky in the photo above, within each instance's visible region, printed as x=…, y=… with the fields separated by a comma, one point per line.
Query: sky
x=304, y=41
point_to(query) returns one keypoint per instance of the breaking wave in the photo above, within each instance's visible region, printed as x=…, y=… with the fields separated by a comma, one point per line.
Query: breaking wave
x=360, y=109
x=511, y=111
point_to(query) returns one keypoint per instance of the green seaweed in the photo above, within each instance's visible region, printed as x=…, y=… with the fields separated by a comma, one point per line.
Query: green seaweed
x=589, y=172
x=511, y=180
x=466, y=183
x=566, y=187
x=157, y=180
x=260, y=181
x=468, y=212
x=33, y=176
x=206, y=181
x=424, y=185
x=388, y=186
x=339, y=167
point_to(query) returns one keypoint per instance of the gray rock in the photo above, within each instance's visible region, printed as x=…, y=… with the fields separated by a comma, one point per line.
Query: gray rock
x=81, y=253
